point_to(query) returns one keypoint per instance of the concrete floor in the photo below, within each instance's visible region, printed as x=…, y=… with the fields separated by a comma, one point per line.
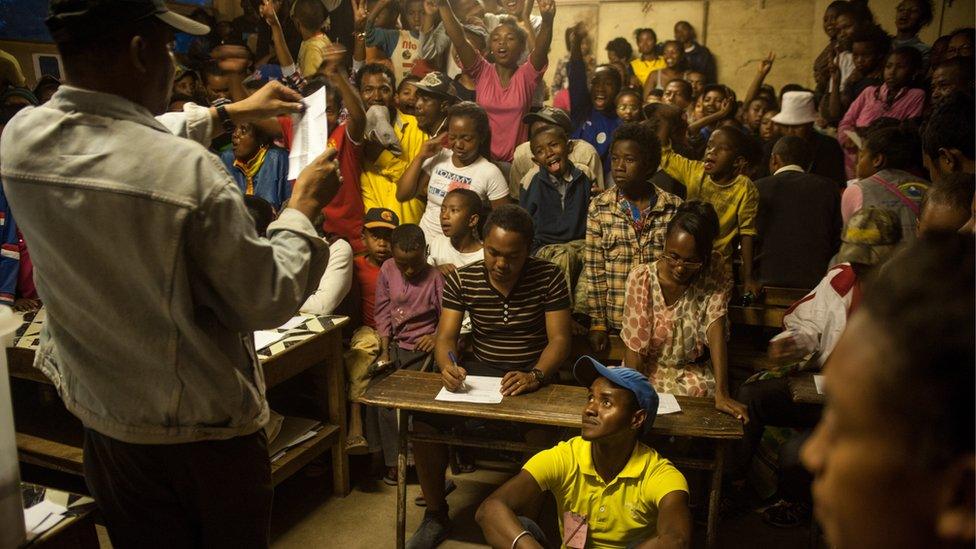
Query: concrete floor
x=307, y=516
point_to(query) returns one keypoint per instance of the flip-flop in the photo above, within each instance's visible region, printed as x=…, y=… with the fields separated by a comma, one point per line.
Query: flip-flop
x=357, y=446
x=449, y=486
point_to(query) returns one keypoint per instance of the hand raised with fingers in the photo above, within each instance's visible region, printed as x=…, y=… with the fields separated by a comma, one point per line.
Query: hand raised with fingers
x=269, y=12
x=359, y=15
x=766, y=65
x=547, y=8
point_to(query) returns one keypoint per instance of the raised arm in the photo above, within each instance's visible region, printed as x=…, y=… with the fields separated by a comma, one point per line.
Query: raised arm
x=498, y=514
x=580, y=102
x=697, y=125
x=765, y=65
x=336, y=73
x=454, y=30
x=540, y=53
x=277, y=34
x=526, y=22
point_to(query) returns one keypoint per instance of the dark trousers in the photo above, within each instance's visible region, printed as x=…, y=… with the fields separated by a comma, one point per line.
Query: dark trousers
x=770, y=403
x=199, y=494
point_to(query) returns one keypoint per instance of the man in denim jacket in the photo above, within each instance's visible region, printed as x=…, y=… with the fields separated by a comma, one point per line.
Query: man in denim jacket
x=154, y=278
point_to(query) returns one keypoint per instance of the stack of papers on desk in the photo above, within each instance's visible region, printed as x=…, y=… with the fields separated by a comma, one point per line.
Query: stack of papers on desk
x=42, y=517
x=480, y=390
x=264, y=338
x=667, y=404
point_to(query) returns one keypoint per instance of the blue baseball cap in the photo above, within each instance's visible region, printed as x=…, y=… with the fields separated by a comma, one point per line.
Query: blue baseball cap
x=587, y=369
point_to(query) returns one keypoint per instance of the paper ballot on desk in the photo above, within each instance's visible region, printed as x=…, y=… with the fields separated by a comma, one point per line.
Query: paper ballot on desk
x=667, y=404
x=263, y=338
x=481, y=390
x=311, y=134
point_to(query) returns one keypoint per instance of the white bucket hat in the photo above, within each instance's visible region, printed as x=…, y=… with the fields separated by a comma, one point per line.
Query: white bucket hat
x=797, y=109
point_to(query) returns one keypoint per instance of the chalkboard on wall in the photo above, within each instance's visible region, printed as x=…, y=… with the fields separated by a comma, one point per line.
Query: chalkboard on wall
x=24, y=19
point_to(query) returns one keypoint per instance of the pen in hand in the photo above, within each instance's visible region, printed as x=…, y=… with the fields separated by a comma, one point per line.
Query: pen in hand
x=454, y=362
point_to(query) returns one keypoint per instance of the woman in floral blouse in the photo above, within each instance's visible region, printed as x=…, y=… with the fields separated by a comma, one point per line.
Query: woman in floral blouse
x=675, y=313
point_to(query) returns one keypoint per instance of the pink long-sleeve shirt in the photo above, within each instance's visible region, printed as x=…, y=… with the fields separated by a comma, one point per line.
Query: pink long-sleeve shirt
x=870, y=106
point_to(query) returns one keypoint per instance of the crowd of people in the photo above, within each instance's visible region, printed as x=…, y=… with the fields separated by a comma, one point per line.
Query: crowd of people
x=476, y=211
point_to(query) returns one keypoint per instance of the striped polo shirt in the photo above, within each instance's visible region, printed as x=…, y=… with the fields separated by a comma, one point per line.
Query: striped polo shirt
x=508, y=331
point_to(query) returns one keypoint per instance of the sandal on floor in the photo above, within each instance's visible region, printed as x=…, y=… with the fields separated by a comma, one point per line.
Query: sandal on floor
x=357, y=446
x=449, y=486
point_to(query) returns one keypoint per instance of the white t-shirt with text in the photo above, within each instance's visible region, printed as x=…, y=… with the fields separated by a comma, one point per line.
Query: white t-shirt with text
x=481, y=176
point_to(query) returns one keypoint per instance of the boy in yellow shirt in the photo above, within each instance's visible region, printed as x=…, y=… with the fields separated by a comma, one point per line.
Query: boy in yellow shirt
x=718, y=180
x=309, y=16
x=611, y=490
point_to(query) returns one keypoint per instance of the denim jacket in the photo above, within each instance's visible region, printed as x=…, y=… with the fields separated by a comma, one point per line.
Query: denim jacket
x=150, y=268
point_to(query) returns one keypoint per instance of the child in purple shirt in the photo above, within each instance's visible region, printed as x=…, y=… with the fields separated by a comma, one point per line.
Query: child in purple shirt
x=408, y=298
x=504, y=88
x=408, y=307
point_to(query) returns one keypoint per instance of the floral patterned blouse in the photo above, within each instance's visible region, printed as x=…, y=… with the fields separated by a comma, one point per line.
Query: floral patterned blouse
x=675, y=336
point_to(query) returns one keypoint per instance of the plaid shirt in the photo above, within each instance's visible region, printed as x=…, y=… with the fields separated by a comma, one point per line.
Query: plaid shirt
x=614, y=246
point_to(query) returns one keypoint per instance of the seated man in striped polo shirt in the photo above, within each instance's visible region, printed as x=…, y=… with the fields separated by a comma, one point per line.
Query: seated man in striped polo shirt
x=519, y=309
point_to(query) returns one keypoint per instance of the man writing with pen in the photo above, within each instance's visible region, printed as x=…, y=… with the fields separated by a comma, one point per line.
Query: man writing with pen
x=519, y=309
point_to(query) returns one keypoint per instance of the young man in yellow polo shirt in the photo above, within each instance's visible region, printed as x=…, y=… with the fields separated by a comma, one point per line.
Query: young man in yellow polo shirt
x=611, y=490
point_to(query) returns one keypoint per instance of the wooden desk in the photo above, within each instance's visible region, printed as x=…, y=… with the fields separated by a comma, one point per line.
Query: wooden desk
x=556, y=405
x=803, y=390
x=316, y=349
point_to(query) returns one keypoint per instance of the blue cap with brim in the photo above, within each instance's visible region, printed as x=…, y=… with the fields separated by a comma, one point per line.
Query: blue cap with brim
x=587, y=369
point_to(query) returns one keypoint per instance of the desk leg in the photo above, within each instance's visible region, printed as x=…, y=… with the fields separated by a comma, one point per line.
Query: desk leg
x=336, y=387
x=401, y=525
x=715, y=494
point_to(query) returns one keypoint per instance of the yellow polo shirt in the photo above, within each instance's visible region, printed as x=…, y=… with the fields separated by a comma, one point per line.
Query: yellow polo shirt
x=379, y=178
x=619, y=512
x=736, y=203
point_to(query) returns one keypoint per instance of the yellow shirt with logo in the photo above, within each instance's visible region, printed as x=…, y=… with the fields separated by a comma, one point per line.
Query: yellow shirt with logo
x=736, y=203
x=618, y=513
x=643, y=69
x=379, y=177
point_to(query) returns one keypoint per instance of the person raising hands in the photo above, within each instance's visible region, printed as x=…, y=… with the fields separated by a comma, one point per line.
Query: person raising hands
x=504, y=87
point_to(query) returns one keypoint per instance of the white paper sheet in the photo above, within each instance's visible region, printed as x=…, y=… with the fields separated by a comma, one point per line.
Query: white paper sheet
x=42, y=517
x=667, y=404
x=263, y=338
x=481, y=390
x=311, y=134
x=818, y=381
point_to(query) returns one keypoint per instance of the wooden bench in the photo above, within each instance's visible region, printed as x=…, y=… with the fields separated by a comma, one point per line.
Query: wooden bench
x=555, y=405
x=769, y=312
x=56, y=444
